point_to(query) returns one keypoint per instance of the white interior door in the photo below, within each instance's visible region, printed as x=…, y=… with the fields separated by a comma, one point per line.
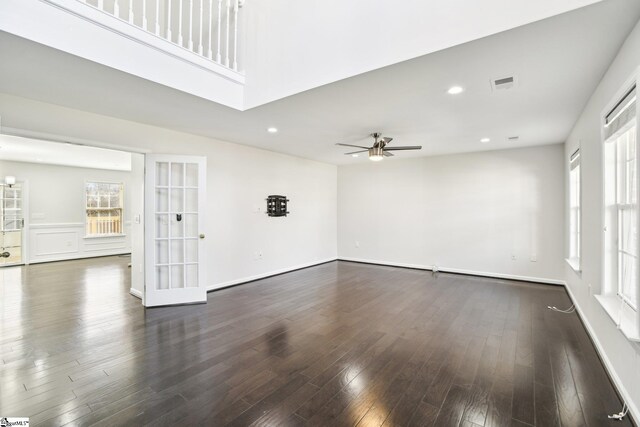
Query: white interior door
x=11, y=224
x=174, y=233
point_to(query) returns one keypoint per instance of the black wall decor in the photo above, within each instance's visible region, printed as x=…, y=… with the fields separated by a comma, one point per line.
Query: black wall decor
x=277, y=205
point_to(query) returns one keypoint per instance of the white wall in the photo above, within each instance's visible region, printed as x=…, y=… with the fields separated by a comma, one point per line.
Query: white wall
x=56, y=221
x=467, y=212
x=136, y=212
x=621, y=356
x=238, y=180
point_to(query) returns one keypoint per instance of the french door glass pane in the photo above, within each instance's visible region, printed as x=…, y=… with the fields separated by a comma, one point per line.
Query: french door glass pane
x=191, y=175
x=177, y=277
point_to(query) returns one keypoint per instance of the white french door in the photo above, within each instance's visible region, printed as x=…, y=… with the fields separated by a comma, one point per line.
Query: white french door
x=11, y=224
x=175, y=194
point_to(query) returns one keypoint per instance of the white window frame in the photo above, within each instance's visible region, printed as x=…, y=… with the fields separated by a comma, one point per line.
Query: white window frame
x=575, y=211
x=626, y=317
x=117, y=233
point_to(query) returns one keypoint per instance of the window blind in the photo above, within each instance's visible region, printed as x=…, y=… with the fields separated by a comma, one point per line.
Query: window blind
x=574, y=161
x=621, y=114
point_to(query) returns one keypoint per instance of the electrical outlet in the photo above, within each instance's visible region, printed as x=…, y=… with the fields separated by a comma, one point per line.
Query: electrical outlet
x=357, y=244
x=513, y=257
x=534, y=258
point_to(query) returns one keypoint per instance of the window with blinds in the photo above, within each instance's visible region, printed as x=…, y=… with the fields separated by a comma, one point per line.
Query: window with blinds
x=574, y=210
x=621, y=198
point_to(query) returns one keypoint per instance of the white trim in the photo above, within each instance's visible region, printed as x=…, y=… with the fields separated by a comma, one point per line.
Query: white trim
x=574, y=263
x=459, y=271
x=633, y=409
x=136, y=293
x=56, y=225
x=268, y=274
x=52, y=137
x=622, y=314
x=73, y=258
x=101, y=236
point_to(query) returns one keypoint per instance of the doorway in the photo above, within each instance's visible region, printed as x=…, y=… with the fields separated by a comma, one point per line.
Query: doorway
x=11, y=222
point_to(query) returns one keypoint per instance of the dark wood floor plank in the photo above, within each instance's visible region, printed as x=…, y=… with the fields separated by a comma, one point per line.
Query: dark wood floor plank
x=523, y=405
x=337, y=344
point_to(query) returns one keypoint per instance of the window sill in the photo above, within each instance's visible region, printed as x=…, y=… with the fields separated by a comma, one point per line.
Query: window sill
x=623, y=313
x=574, y=263
x=105, y=236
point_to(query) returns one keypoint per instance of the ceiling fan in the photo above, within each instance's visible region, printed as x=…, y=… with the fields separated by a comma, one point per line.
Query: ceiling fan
x=379, y=150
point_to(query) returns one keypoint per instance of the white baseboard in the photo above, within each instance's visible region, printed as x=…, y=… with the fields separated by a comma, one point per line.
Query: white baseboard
x=75, y=257
x=459, y=271
x=136, y=293
x=268, y=274
x=633, y=409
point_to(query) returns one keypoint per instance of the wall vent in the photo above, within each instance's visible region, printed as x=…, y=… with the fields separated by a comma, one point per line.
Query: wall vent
x=503, y=83
x=513, y=138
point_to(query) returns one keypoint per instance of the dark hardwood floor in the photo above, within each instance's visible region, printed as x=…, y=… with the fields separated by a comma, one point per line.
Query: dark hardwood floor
x=337, y=344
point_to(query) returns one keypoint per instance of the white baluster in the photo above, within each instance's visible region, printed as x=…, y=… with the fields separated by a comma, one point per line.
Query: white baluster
x=191, y=25
x=101, y=4
x=131, y=11
x=210, y=52
x=157, y=17
x=200, y=40
x=144, y=14
x=218, y=55
x=180, y=41
x=169, y=37
x=226, y=51
x=116, y=8
x=235, y=36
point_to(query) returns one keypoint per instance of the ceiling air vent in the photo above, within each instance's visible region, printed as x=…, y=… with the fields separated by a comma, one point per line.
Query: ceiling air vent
x=503, y=83
x=513, y=138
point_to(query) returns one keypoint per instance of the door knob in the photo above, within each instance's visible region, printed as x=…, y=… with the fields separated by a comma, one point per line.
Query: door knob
x=5, y=254
x=202, y=236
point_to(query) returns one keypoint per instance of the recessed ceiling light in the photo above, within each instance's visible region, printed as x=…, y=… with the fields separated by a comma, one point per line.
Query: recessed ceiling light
x=454, y=90
x=272, y=130
x=354, y=155
x=485, y=140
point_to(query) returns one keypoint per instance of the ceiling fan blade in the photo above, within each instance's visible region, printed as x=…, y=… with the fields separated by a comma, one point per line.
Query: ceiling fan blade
x=387, y=154
x=387, y=140
x=350, y=145
x=406, y=147
x=356, y=152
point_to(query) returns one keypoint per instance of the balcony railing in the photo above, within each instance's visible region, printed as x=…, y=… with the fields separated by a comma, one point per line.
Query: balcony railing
x=208, y=28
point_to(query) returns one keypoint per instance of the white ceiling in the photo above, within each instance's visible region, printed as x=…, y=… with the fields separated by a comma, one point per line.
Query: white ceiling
x=21, y=149
x=558, y=63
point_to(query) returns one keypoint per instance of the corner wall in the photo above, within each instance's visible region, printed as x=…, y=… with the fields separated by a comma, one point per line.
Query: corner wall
x=622, y=357
x=468, y=213
x=238, y=180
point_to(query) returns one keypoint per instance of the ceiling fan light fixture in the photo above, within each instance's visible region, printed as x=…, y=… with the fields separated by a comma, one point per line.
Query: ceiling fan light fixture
x=376, y=154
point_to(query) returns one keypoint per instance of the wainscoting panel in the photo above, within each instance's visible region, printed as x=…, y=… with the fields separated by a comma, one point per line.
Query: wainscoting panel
x=63, y=241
